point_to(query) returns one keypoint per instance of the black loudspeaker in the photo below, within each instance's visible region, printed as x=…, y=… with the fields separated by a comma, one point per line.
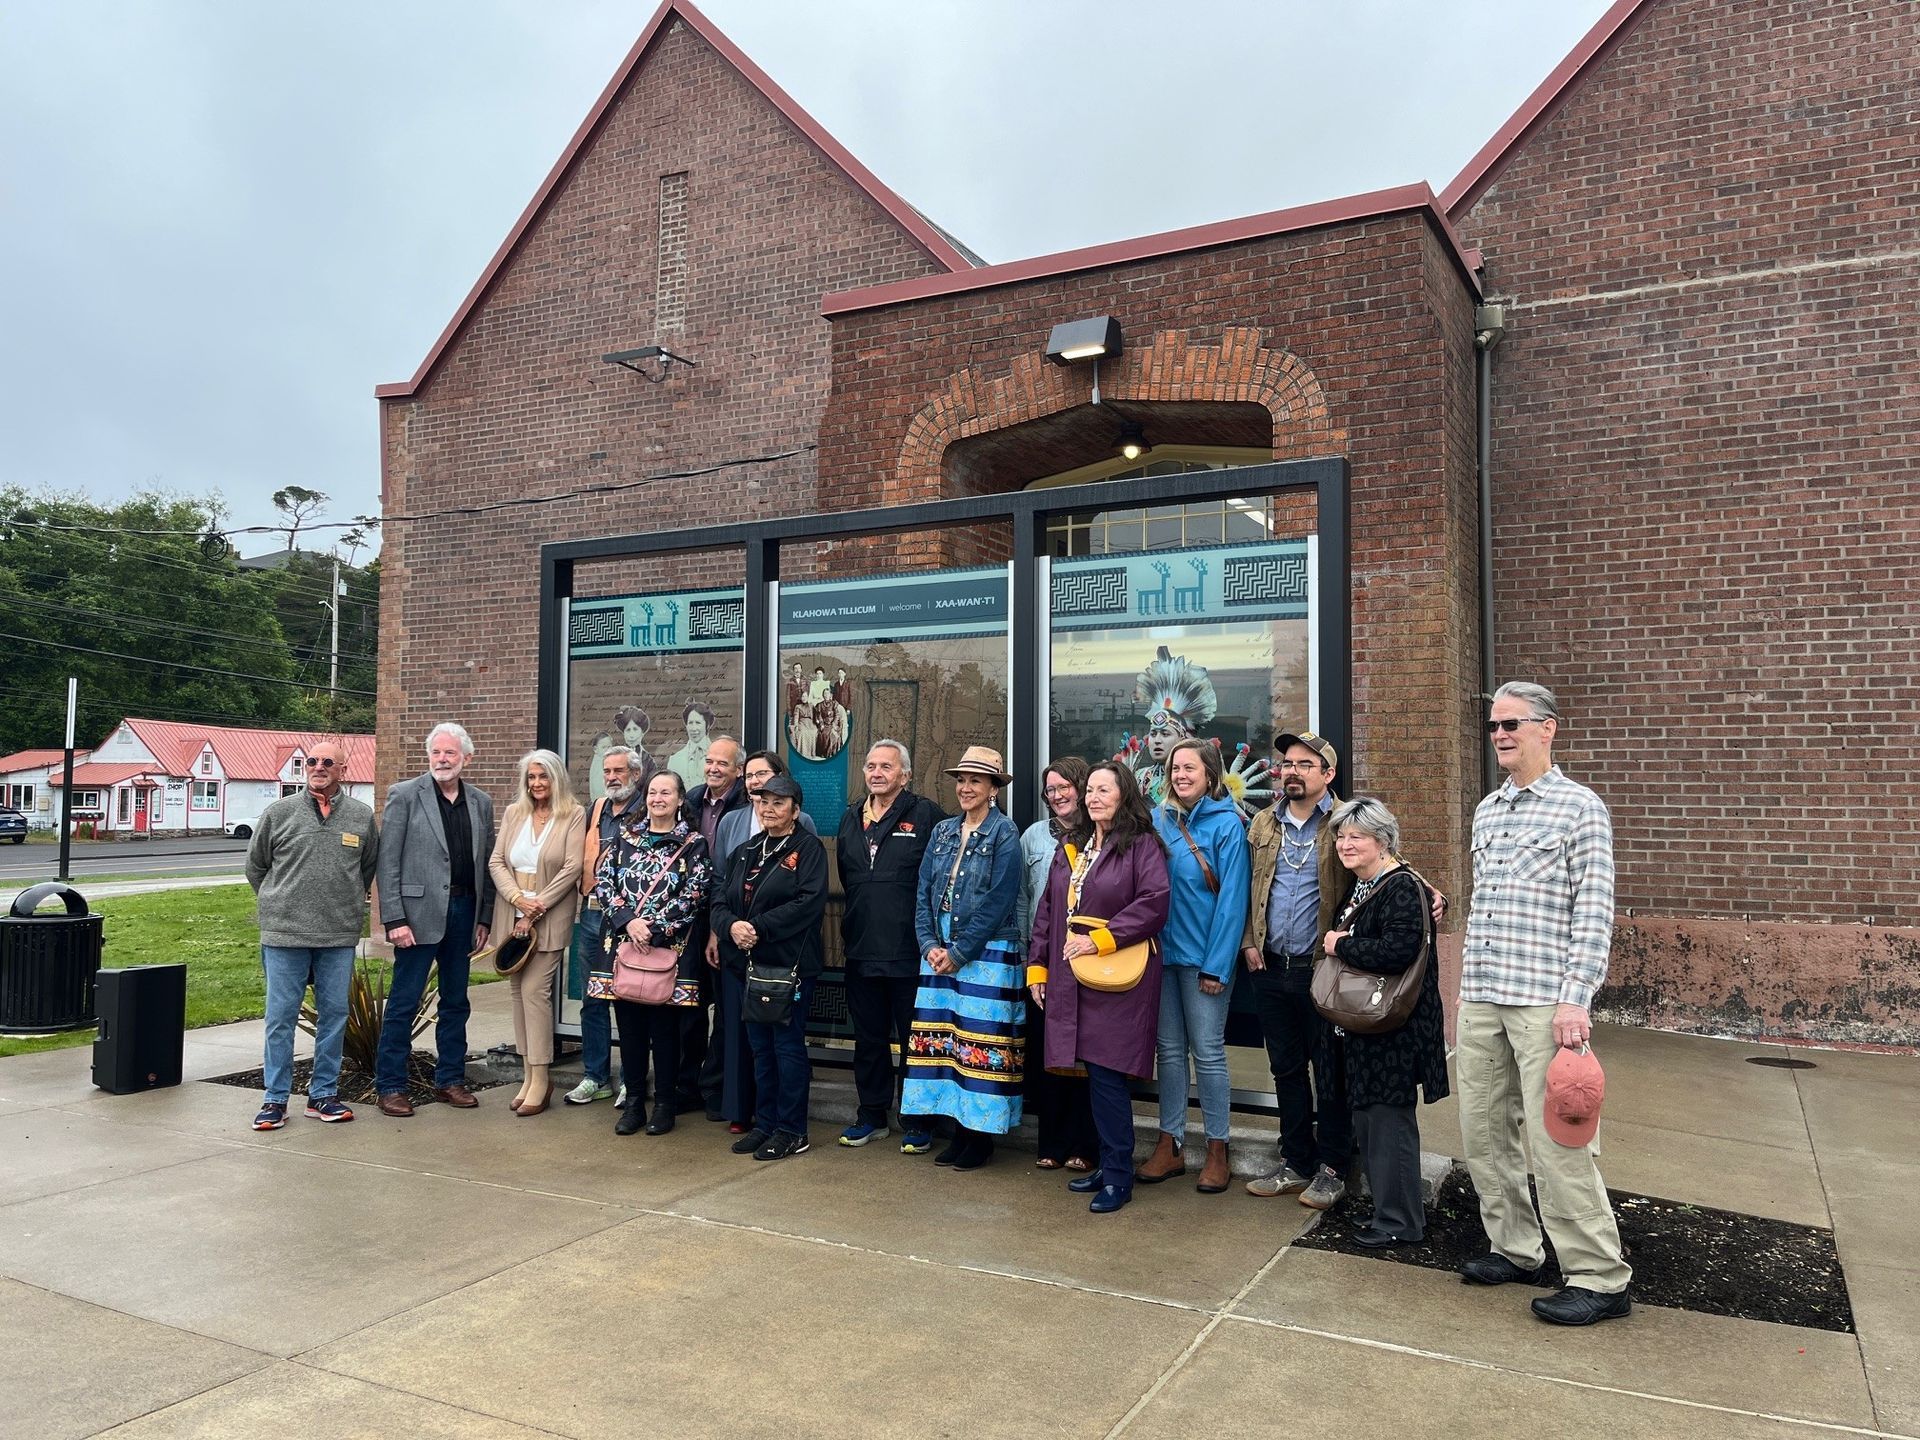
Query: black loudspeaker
x=143, y=1028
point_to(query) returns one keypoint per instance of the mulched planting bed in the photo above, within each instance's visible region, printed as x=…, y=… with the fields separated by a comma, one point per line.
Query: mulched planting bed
x=356, y=1085
x=1685, y=1257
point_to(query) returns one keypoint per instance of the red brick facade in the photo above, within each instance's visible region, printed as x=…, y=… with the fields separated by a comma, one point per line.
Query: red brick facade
x=1703, y=440
x=518, y=403
x=1707, y=529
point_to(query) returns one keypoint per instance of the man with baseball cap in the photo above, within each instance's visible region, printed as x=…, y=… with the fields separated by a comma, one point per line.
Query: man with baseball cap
x=1296, y=881
x=1536, y=950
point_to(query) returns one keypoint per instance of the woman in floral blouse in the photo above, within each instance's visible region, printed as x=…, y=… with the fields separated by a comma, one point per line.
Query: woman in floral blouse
x=653, y=882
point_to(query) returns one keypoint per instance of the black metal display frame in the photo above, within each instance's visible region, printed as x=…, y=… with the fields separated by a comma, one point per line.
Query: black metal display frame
x=1028, y=512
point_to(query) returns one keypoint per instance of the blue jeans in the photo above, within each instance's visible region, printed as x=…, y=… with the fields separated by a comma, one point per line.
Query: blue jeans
x=411, y=965
x=596, y=1016
x=288, y=969
x=1112, y=1104
x=1192, y=1021
x=782, y=1074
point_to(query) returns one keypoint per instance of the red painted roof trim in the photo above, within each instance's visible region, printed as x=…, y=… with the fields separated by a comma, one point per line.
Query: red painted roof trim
x=1345, y=211
x=1594, y=46
x=923, y=233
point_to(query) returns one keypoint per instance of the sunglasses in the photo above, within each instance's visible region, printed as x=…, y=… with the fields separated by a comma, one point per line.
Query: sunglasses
x=1512, y=725
x=321, y=764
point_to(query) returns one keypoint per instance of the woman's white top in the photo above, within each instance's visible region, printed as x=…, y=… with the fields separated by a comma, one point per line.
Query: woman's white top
x=525, y=855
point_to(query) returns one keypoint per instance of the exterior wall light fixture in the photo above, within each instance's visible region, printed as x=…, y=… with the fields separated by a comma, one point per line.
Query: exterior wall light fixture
x=638, y=361
x=1094, y=339
x=1133, y=441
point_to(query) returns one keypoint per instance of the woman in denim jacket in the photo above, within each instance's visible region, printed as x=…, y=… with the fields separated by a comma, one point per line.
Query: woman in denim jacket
x=966, y=1055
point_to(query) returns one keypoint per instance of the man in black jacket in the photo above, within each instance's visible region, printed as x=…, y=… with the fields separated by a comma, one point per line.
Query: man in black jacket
x=881, y=841
x=699, y=1082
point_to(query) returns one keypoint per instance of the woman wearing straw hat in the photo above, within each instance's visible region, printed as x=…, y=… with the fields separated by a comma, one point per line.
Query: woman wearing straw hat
x=966, y=1054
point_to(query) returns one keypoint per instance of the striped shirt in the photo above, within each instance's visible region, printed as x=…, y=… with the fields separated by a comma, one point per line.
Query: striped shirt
x=1541, y=923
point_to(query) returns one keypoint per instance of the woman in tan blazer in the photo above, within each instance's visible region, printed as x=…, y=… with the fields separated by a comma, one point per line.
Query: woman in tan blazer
x=536, y=861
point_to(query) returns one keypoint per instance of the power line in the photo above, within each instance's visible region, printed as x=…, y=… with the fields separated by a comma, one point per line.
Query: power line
x=120, y=551
x=178, y=665
x=57, y=701
x=376, y=521
x=165, y=627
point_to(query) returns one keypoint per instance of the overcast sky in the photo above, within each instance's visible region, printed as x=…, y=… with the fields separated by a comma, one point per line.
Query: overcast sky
x=227, y=221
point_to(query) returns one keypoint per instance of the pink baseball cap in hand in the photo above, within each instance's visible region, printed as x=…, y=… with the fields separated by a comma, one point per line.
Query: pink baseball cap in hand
x=1576, y=1086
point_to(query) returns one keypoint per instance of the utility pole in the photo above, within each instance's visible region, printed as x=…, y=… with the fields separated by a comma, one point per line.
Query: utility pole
x=333, y=671
x=66, y=791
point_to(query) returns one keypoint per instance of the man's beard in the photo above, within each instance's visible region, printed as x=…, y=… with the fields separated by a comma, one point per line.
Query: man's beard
x=1294, y=787
x=444, y=773
x=620, y=794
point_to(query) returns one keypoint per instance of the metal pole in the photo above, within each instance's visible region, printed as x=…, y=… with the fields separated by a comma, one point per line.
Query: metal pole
x=66, y=791
x=333, y=671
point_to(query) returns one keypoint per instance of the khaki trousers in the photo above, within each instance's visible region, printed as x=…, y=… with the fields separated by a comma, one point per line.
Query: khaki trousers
x=532, y=987
x=1502, y=1063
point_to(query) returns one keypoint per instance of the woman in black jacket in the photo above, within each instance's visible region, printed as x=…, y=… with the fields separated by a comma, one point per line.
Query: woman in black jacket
x=1383, y=927
x=769, y=911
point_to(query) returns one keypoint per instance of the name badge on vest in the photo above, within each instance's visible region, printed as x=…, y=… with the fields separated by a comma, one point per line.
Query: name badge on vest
x=350, y=840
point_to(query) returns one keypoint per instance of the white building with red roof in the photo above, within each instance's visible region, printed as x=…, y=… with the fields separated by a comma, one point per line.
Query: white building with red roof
x=24, y=777
x=160, y=777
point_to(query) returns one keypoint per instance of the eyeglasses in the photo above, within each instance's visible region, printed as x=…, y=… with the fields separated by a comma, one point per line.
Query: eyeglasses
x=1512, y=725
x=1058, y=792
x=321, y=764
x=1301, y=765
x=760, y=797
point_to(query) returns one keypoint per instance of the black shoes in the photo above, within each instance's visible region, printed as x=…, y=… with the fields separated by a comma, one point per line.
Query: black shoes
x=782, y=1144
x=976, y=1154
x=661, y=1121
x=630, y=1118
x=956, y=1148
x=1574, y=1306
x=751, y=1141
x=1493, y=1268
x=1381, y=1240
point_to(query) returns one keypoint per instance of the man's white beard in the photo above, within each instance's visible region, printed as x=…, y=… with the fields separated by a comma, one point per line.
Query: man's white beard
x=620, y=794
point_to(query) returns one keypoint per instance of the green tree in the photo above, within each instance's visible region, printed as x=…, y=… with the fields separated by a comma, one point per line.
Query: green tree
x=153, y=620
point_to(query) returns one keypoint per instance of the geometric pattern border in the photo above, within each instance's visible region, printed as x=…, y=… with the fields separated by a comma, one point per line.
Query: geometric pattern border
x=598, y=627
x=1090, y=592
x=1264, y=579
x=716, y=619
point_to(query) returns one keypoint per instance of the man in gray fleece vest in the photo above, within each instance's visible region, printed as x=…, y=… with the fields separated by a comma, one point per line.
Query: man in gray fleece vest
x=310, y=865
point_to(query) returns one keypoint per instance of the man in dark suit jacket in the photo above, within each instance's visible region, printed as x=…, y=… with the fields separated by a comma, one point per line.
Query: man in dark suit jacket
x=699, y=1083
x=436, y=898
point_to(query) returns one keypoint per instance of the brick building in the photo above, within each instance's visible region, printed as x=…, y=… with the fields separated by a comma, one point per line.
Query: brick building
x=1701, y=230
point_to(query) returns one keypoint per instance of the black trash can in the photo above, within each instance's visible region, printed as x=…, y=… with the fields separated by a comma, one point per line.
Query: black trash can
x=48, y=963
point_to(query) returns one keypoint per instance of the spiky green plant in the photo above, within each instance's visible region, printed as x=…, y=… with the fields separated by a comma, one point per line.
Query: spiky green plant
x=366, y=1008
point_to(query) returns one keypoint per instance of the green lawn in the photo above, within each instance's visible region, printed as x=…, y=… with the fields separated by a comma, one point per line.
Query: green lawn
x=210, y=928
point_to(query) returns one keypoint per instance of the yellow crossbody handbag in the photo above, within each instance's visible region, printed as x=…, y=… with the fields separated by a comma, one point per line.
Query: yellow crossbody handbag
x=1112, y=973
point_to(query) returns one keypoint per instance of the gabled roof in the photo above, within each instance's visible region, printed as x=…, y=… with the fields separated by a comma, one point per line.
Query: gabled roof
x=1538, y=108
x=244, y=754
x=939, y=247
x=35, y=759
x=1345, y=211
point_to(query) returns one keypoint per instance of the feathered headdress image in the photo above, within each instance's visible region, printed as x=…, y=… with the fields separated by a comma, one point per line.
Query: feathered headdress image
x=1173, y=686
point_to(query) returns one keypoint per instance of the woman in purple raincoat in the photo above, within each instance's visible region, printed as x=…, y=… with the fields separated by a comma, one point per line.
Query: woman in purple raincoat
x=1112, y=867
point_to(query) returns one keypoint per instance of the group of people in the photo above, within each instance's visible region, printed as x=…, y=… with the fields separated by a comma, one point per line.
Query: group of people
x=1046, y=969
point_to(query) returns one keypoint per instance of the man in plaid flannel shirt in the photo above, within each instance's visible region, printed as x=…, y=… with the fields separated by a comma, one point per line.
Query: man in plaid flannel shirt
x=1537, y=942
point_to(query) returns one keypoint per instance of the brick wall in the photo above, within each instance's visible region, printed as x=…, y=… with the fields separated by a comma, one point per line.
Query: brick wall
x=758, y=228
x=1357, y=338
x=1706, y=519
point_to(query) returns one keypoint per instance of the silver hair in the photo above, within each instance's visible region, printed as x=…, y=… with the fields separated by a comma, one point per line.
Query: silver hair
x=562, y=798
x=448, y=727
x=1370, y=817
x=906, y=759
x=739, y=750
x=1538, y=698
x=613, y=750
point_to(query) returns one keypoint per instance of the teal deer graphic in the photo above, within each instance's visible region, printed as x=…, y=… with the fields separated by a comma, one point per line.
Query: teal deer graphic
x=1152, y=601
x=1194, y=596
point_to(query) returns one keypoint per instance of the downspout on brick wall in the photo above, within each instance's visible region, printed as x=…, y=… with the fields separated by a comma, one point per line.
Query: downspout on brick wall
x=1489, y=325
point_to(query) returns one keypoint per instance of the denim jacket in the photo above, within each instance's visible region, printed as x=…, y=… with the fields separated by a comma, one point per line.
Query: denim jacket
x=986, y=892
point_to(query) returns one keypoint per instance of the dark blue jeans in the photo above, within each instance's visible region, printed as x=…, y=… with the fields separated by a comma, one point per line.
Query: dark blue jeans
x=1316, y=1122
x=782, y=1074
x=596, y=1016
x=737, y=1093
x=1112, y=1104
x=411, y=966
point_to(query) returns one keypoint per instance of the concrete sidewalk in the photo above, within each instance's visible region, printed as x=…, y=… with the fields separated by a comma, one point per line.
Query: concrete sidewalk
x=168, y=1272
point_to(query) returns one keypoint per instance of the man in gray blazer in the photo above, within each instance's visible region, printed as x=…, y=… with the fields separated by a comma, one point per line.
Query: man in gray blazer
x=436, y=899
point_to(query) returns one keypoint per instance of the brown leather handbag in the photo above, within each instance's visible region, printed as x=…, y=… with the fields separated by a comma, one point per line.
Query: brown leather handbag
x=1362, y=1002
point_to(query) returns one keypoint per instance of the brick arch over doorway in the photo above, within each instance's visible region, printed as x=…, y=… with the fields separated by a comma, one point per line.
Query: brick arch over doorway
x=1170, y=366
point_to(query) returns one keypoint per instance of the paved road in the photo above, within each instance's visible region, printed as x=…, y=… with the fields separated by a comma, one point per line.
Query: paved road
x=201, y=855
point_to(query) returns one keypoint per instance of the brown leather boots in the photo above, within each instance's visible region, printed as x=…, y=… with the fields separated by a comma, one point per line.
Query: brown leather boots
x=1166, y=1162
